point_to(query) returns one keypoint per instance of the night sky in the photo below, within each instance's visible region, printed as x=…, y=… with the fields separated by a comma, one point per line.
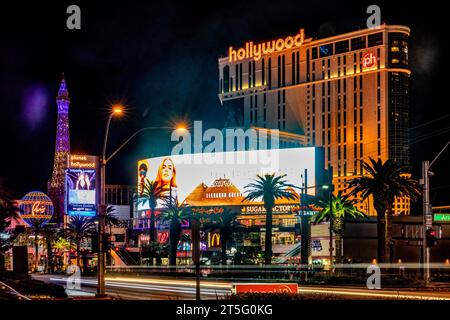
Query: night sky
x=160, y=60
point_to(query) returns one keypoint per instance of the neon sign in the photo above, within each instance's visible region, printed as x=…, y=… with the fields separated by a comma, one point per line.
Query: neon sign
x=37, y=208
x=256, y=51
x=369, y=60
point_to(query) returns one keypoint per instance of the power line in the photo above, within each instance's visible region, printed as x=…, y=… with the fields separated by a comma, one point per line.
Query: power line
x=431, y=121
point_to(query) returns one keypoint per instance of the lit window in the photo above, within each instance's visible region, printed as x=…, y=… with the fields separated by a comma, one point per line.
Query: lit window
x=395, y=49
x=395, y=61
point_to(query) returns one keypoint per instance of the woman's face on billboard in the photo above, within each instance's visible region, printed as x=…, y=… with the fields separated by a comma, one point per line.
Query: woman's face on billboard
x=167, y=170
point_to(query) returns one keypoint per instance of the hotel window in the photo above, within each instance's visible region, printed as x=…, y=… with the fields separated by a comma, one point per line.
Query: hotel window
x=329, y=103
x=375, y=39
x=378, y=58
x=323, y=138
x=379, y=131
x=226, y=79
x=249, y=74
x=355, y=166
x=283, y=70
x=329, y=137
x=314, y=53
x=339, y=152
x=279, y=112
x=293, y=68
x=314, y=123
x=265, y=115
x=345, y=101
x=329, y=121
x=361, y=115
x=339, y=85
x=341, y=47
x=326, y=50
x=254, y=73
x=307, y=65
x=355, y=134
x=345, y=118
x=358, y=43
x=360, y=99
x=314, y=91
x=378, y=113
x=355, y=151
x=237, y=77
x=378, y=95
x=339, y=61
x=284, y=111
x=269, y=72
x=361, y=133
x=378, y=79
x=279, y=71
x=345, y=134
x=323, y=121
x=264, y=99
x=329, y=154
x=323, y=104
x=263, y=72
x=314, y=106
x=298, y=67
x=240, y=76
x=361, y=150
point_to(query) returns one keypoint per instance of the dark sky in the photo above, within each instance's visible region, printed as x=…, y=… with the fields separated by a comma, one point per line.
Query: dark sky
x=160, y=60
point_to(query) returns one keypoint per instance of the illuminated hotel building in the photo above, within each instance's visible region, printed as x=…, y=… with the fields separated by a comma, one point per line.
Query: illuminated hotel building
x=347, y=93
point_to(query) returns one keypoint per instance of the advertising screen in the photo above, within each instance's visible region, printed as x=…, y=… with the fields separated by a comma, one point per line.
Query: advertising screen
x=81, y=191
x=186, y=175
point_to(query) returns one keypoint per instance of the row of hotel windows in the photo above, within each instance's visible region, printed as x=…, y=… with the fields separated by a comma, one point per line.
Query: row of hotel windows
x=344, y=46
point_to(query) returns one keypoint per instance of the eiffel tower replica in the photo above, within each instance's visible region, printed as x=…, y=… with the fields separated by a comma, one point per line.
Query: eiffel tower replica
x=57, y=191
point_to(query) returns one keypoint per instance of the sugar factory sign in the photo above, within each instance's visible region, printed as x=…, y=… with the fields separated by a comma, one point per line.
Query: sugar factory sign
x=256, y=51
x=279, y=209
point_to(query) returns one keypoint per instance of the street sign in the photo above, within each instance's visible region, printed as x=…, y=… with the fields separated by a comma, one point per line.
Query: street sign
x=290, y=288
x=442, y=217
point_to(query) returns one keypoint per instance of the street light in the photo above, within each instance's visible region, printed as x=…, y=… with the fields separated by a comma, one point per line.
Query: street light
x=117, y=110
x=427, y=217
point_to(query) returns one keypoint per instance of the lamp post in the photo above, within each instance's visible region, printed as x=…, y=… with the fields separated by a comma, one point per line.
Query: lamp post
x=116, y=111
x=427, y=212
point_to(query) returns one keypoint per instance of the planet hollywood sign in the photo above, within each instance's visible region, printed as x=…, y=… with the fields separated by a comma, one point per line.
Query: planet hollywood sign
x=256, y=51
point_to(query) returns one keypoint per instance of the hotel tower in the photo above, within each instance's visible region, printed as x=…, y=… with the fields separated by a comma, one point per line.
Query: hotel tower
x=348, y=93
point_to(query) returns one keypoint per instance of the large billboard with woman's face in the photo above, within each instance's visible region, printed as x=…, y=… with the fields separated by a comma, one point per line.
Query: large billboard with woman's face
x=180, y=175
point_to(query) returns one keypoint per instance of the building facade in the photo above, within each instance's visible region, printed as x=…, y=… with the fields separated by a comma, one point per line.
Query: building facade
x=348, y=94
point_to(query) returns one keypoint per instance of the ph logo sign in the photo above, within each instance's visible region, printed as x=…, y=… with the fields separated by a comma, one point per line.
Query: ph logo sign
x=369, y=60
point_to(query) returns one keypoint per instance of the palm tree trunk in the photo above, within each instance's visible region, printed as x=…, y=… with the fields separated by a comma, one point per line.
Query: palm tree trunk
x=152, y=225
x=388, y=234
x=2, y=261
x=175, y=231
x=224, y=240
x=78, y=253
x=338, y=229
x=36, y=250
x=268, y=242
x=380, y=208
x=49, y=257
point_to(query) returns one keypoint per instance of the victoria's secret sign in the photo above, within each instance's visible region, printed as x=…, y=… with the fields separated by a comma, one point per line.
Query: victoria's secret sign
x=256, y=51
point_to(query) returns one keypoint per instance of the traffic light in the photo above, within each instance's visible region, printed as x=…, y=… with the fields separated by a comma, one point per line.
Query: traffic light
x=431, y=237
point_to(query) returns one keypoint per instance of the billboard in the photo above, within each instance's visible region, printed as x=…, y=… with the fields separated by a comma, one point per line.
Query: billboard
x=81, y=185
x=186, y=175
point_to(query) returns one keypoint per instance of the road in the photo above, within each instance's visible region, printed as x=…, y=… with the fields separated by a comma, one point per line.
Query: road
x=143, y=288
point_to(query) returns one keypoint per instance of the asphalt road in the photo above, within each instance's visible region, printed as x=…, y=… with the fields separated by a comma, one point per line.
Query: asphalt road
x=143, y=288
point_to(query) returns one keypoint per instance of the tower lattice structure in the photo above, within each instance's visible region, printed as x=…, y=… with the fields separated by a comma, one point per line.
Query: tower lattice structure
x=62, y=151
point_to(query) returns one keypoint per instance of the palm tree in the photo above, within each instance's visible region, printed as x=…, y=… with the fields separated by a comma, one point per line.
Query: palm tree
x=384, y=181
x=174, y=215
x=342, y=207
x=228, y=223
x=50, y=233
x=77, y=230
x=62, y=245
x=8, y=212
x=37, y=225
x=270, y=188
x=151, y=193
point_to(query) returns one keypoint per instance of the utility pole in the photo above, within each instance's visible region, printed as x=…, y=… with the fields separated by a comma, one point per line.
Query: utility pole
x=427, y=212
x=195, y=225
x=304, y=219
